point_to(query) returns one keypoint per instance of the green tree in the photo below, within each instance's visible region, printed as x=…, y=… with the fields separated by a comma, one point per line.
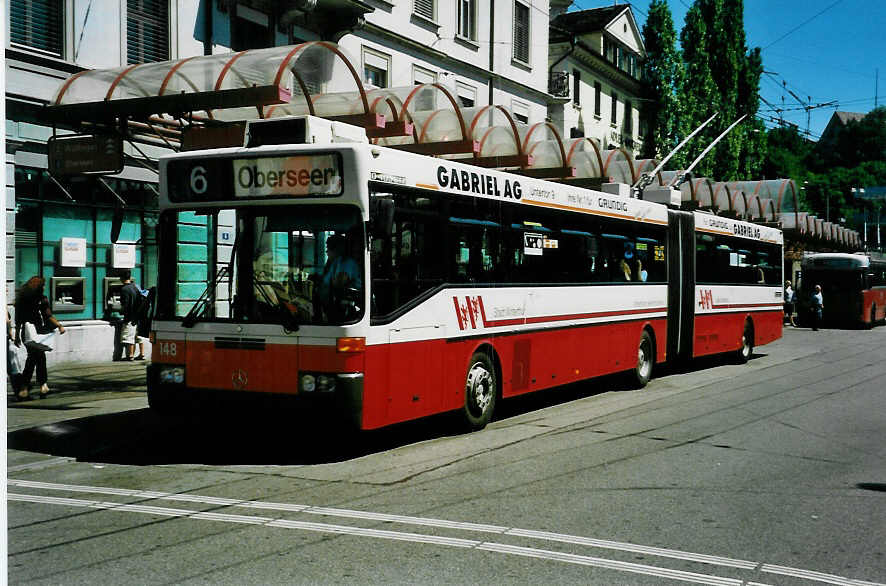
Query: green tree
x=700, y=90
x=753, y=131
x=662, y=86
x=786, y=156
x=724, y=76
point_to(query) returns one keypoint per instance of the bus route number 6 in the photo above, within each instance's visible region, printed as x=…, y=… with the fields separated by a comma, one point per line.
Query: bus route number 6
x=199, y=184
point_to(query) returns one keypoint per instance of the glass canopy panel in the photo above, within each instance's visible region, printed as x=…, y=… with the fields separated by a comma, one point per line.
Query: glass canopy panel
x=480, y=119
x=755, y=211
x=739, y=204
x=703, y=191
x=496, y=141
x=384, y=102
x=767, y=209
x=642, y=166
x=722, y=197
x=583, y=154
x=617, y=164
x=546, y=154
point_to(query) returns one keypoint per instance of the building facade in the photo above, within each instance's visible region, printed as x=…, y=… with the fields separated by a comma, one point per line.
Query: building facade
x=484, y=51
x=595, y=58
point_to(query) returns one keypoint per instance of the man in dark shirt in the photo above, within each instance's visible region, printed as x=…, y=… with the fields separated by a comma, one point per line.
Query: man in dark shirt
x=129, y=300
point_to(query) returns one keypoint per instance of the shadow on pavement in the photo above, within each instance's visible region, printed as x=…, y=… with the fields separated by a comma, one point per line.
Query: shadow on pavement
x=252, y=435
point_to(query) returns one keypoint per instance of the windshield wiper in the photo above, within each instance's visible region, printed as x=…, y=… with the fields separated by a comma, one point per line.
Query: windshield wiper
x=202, y=304
x=287, y=320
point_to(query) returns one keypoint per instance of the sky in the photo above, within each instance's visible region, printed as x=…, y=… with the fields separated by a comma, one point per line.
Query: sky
x=821, y=50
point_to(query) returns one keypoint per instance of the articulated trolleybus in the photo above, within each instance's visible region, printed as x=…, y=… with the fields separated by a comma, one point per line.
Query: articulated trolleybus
x=384, y=286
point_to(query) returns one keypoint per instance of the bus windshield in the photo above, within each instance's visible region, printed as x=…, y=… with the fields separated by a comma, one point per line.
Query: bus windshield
x=290, y=265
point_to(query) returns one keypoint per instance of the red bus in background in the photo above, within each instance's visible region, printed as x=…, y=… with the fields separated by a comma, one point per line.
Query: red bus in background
x=853, y=288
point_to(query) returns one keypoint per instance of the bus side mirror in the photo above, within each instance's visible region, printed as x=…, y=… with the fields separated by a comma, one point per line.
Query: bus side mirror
x=116, y=224
x=381, y=217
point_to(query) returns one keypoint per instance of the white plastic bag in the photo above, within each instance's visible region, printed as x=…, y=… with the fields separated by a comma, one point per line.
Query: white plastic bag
x=35, y=341
x=15, y=357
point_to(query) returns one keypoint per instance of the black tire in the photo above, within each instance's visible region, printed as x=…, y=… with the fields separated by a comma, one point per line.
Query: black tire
x=481, y=392
x=746, y=347
x=642, y=372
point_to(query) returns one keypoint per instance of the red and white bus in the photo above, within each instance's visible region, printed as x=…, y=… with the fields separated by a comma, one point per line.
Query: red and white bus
x=464, y=286
x=853, y=288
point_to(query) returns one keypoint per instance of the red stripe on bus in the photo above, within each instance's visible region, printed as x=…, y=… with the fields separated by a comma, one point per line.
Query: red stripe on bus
x=596, y=314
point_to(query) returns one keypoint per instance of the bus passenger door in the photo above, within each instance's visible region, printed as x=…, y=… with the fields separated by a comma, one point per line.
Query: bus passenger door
x=681, y=284
x=415, y=362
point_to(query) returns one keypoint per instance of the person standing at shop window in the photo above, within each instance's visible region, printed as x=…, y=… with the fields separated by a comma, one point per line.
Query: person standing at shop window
x=132, y=302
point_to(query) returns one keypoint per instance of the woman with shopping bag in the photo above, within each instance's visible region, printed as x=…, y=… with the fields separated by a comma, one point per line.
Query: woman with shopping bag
x=34, y=321
x=15, y=357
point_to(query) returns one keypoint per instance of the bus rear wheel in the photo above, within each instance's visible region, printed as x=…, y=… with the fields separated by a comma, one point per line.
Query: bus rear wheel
x=747, y=344
x=481, y=390
x=642, y=372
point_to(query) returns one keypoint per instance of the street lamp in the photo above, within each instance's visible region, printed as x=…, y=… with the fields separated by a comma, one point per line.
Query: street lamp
x=858, y=192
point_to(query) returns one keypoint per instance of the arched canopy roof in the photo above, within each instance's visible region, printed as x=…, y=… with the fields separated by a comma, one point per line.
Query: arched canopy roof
x=755, y=208
x=647, y=166
x=767, y=209
x=618, y=164
x=739, y=204
x=721, y=197
x=236, y=82
x=583, y=154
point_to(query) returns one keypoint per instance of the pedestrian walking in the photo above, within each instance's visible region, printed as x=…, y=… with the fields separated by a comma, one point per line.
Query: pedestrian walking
x=32, y=312
x=816, y=303
x=15, y=357
x=789, y=300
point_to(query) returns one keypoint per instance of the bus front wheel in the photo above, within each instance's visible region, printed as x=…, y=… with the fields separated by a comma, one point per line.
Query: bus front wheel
x=642, y=372
x=481, y=390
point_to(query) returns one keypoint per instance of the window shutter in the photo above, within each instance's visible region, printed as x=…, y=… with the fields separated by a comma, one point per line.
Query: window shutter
x=424, y=8
x=147, y=31
x=521, y=32
x=37, y=24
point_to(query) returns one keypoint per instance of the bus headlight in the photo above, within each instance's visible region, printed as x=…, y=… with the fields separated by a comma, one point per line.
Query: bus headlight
x=172, y=375
x=307, y=383
x=315, y=381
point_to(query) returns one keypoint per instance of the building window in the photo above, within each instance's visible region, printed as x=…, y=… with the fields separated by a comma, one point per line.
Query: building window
x=467, y=19
x=521, y=112
x=521, y=32
x=424, y=8
x=614, y=116
x=37, y=24
x=598, y=97
x=147, y=31
x=609, y=50
x=467, y=95
x=629, y=118
x=250, y=29
x=421, y=75
x=576, y=87
x=375, y=67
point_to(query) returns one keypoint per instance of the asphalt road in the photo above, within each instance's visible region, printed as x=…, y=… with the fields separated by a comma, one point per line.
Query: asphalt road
x=772, y=472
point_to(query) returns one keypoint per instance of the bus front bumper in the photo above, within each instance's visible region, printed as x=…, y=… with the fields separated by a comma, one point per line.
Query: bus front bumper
x=167, y=384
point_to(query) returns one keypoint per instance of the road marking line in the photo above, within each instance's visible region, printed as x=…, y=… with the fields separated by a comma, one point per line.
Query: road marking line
x=39, y=464
x=391, y=535
x=445, y=524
